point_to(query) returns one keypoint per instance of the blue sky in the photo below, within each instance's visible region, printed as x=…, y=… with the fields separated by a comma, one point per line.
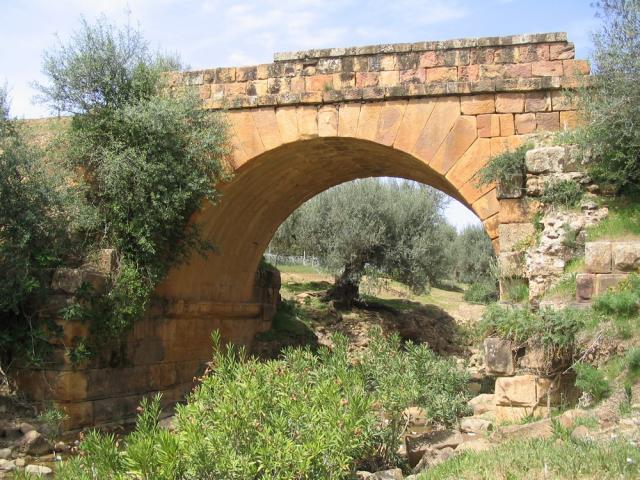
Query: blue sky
x=212, y=33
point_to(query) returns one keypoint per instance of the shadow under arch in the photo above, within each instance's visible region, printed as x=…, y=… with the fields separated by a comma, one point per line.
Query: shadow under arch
x=264, y=191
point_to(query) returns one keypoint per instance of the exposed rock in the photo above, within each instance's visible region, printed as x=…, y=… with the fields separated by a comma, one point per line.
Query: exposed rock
x=33, y=443
x=26, y=427
x=475, y=445
x=585, y=286
x=485, y=402
x=5, y=453
x=38, y=470
x=581, y=433
x=416, y=416
x=568, y=418
x=7, y=465
x=433, y=457
x=167, y=423
x=498, y=356
x=69, y=280
x=540, y=429
x=545, y=159
x=597, y=256
x=20, y=462
x=394, y=474
x=418, y=445
x=625, y=256
x=475, y=425
x=362, y=475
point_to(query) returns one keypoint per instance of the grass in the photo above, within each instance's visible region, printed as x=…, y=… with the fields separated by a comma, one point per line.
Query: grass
x=543, y=459
x=298, y=269
x=623, y=222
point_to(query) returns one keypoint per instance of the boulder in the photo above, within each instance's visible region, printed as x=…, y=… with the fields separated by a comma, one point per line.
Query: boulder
x=7, y=465
x=498, y=356
x=433, y=457
x=416, y=416
x=34, y=444
x=597, y=257
x=418, y=445
x=585, y=286
x=625, y=256
x=393, y=474
x=485, y=402
x=38, y=470
x=568, y=419
x=545, y=160
x=5, y=453
x=475, y=445
x=581, y=434
x=525, y=391
x=475, y=425
x=541, y=429
x=26, y=427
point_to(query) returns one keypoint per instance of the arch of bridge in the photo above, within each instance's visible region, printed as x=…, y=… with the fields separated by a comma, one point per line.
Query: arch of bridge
x=432, y=112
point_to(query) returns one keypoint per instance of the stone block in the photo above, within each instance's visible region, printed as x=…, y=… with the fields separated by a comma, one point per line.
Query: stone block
x=531, y=391
x=69, y=280
x=597, y=257
x=552, y=68
x=512, y=234
x=498, y=356
x=536, y=430
x=585, y=286
x=535, y=359
x=483, y=403
x=548, y=121
x=517, y=210
x=477, y=104
x=511, y=264
x=488, y=125
x=511, y=188
x=545, y=160
x=510, y=102
x=418, y=445
x=525, y=123
x=606, y=281
x=625, y=256
x=516, y=414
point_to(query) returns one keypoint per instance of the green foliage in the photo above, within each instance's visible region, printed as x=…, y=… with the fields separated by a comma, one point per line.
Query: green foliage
x=482, y=291
x=542, y=459
x=555, y=330
x=52, y=418
x=303, y=416
x=591, y=380
x=36, y=235
x=564, y=193
x=610, y=104
x=622, y=302
x=148, y=159
x=391, y=228
x=623, y=221
x=518, y=292
x=633, y=364
x=504, y=167
x=472, y=256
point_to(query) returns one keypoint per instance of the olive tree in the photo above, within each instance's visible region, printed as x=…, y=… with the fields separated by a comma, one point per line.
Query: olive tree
x=149, y=157
x=389, y=227
x=610, y=103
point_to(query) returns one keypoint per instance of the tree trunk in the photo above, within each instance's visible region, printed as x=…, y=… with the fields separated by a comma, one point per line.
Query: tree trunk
x=346, y=290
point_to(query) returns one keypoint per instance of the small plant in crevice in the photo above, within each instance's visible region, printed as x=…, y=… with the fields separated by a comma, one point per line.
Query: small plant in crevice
x=562, y=193
x=504, y=167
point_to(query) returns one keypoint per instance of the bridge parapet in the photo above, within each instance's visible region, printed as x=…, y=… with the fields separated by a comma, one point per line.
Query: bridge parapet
x=502, y=66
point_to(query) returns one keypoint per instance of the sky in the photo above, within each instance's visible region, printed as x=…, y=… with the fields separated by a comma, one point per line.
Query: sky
x=216, y=33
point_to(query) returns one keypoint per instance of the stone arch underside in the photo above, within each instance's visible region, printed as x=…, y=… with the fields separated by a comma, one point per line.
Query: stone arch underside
x=284, y=156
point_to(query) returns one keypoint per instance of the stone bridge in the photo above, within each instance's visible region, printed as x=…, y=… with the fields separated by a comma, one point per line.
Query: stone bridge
x=433, y=112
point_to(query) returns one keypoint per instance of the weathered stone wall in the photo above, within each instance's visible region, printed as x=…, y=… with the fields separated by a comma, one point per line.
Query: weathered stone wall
x=164, y=353
x=537, y=254
x=607, y=263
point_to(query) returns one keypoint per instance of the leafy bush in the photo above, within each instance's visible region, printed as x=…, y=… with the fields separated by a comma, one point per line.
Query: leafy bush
x=633, y=364
x=504, y=167
x=519, y=292
x=303, y=416
x=555, y=330
x=610, y=104
x=149, y=158
x=37, y=221
x=591, y=380
x=484, y=291
x=565, y=193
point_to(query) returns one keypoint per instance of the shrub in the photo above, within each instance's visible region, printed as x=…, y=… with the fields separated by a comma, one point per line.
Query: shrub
x=623, y=221
x=633, y=364
x=518, y=293
x=622, y=302
x=610, y=103
x=565, y=193
x=303, y=416
x=555, y=330
x=484, y=291
x=591, y=380
x=504, y=167
x=150, y=158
